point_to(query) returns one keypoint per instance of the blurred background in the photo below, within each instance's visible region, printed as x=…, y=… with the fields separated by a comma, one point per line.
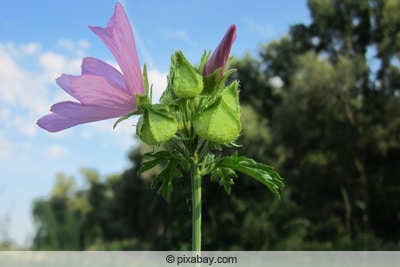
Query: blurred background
x=320, y=91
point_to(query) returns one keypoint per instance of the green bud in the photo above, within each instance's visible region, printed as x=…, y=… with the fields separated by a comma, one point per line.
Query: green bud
x=187, y=82
x=156, y=125
x=230, y=97
x=167, y=97
x=220, y=122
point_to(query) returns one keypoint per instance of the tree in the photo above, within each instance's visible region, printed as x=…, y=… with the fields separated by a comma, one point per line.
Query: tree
x=57, y=226
x=334, y=126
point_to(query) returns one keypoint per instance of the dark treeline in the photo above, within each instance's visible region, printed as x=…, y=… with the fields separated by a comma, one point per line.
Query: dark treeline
x=322, y=105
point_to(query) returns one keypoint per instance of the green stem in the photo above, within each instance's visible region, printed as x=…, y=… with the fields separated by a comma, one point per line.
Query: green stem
x=196, y=206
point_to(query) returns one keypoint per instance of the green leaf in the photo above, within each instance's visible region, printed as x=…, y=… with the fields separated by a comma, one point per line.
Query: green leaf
x=263, y=173
x=159, y=156
x=225, y=176
x=166, y=176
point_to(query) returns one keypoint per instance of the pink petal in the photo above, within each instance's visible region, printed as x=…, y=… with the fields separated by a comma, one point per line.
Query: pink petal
x=97, y=67
x=55, y=123
x=220, y=55
x=103, y=91
x=88, y=113
x=69, y=114
x=118, y=37
x=96, y=90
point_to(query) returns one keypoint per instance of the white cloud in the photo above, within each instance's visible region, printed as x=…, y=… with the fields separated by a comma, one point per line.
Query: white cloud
x=4, y=114
x=66, y=44
x=76, y=47
x=159, y=81
x=11, y=48
x=83, y=44
x=52, y=63
x=25, y=124
x=27, y=84
x=10, y=76
x=30, y=48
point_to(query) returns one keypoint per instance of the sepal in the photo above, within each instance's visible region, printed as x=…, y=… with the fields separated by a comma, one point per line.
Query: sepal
x=187, y=82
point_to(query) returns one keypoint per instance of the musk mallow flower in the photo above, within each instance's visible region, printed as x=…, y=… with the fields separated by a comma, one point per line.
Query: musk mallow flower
x=103, y=92
x=220, y=56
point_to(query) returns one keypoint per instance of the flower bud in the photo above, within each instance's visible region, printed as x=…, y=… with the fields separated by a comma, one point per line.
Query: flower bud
x=220, y=56
x=220, y=122
x=187, y=82
x=156, y=125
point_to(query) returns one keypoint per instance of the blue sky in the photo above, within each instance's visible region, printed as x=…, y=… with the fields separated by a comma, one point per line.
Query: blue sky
x=41, y=39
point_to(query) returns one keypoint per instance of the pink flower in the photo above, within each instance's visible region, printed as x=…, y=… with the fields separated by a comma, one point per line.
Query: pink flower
x=220, y=55
x=102, y=91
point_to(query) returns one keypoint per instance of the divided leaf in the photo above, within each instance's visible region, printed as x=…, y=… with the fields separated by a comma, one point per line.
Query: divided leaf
x=225, y=176
x=166, y=176
x=263, y=173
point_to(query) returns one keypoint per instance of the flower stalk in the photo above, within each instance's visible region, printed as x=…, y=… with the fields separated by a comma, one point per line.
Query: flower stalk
x=196, y=177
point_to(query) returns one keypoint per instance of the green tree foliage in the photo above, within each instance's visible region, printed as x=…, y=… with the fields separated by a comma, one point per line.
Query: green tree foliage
x=56, y=225
x=122, y=212
x=335, y=129
x=322, y=105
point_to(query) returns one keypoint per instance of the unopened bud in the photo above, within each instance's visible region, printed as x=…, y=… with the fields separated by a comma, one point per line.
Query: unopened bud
x=220, y=122
x=156, y=125
x=187, y=82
